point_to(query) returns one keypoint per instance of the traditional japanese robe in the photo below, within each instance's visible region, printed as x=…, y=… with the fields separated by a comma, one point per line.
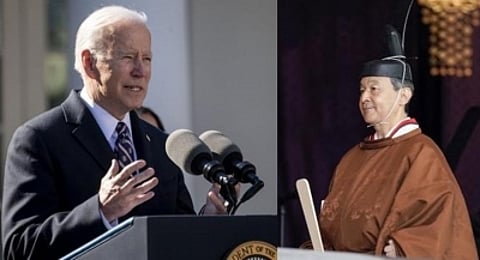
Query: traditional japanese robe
x=401, y=189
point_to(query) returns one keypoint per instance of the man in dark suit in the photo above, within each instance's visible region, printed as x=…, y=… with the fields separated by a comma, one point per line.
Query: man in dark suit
x=66, y=178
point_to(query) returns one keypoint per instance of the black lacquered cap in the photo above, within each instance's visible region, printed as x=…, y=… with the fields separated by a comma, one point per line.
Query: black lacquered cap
x=392, y=68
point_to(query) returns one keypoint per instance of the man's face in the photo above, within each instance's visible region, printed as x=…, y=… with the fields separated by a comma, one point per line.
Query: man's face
x=125, y=69
x=377, y=98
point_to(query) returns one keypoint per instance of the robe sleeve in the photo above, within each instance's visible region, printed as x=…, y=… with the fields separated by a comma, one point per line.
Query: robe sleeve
x=429, y=217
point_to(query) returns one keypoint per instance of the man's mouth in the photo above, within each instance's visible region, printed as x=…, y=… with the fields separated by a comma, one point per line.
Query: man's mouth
x=134, y=88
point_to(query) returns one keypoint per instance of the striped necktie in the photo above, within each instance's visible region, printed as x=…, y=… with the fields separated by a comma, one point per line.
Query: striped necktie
x=123, y=145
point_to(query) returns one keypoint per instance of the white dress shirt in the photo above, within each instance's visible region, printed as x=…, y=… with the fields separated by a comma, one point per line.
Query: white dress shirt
x=107, y=124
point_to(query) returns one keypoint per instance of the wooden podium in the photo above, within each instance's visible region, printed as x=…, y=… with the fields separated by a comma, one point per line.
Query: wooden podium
x=179, y=237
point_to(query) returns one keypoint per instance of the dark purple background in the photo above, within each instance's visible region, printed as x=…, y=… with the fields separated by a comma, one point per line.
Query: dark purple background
x=320, y=50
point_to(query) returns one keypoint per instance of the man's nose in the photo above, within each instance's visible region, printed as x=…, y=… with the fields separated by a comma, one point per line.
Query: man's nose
x=139, y=68
x=364, y=96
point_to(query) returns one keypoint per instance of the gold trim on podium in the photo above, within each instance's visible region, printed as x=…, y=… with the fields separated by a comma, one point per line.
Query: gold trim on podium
x=253, y=250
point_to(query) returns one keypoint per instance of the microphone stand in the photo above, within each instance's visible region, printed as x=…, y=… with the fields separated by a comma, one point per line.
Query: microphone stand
x=249, y=194
x=227, y=191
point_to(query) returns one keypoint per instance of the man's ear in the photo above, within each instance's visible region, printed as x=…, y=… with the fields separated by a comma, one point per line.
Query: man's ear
x=89, y=64
x=405, y=95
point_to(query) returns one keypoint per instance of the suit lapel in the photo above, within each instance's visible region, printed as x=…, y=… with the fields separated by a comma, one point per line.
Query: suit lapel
x=141, y=139
x=86, y=130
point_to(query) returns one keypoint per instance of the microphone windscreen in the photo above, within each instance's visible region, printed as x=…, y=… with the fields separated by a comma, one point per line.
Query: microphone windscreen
x=220, y=145
x=183, y=147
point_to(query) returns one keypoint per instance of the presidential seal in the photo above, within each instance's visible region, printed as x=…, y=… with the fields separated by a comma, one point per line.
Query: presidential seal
x=253, y=250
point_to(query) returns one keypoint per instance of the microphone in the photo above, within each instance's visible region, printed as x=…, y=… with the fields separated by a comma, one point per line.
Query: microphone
x=225, y=151
x=192, y=155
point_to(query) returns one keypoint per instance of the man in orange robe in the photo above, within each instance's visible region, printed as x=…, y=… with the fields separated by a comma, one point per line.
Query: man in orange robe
x=394, y=193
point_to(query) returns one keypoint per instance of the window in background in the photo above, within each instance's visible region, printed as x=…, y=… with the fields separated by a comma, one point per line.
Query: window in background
x=56, y=69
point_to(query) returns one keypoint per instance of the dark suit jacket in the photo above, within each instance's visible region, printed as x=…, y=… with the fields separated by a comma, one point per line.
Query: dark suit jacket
x=53, y=170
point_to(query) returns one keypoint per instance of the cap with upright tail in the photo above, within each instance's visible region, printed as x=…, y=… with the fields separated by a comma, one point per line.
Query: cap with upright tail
x=395, y=64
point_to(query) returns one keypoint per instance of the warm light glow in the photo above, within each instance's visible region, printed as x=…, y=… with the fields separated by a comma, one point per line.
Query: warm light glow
x=451, y=25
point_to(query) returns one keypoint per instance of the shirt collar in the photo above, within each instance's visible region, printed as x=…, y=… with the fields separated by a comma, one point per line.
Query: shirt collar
x=104, y=119
x=398, y=130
